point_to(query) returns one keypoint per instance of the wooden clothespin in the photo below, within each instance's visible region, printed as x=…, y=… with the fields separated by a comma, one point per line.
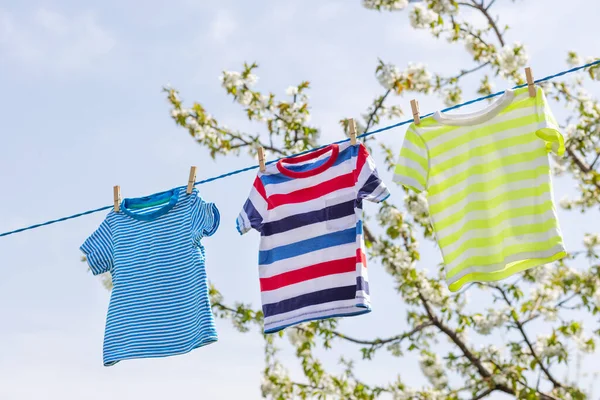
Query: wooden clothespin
x=261, y=159
x=191, y=180
x=530, y=82
x=352, y=131
x=414, y=105
x=117, y=197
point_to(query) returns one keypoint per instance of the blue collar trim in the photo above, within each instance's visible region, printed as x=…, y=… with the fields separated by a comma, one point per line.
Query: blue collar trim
x=172, y=196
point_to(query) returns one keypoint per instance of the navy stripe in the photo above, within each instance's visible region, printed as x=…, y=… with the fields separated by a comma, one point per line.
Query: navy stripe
x=253, y=215
x=372, y=183
x=344, y=155
x=307, y=246
x=310, y=299
x=361, y=284
x=312, y=217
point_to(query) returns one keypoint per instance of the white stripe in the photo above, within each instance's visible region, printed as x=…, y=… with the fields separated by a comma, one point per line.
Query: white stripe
x=489, y=195
x=407, y=144
x=489, y=213
x=497, y=173
x=524, y=130
x=303, y=183
x=507, y=260
x=306, y=232
x=491, y=250
x=287, y=210
x=309, y=286
x=340, y=307
x=308, y=259
x=536, y=149
x=407, y=162
x=466, y=129
x=407, y=181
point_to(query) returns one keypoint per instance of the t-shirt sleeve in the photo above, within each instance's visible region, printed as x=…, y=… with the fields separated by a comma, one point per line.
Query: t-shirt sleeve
x=370, y=186
x=205, y=217
x=548, y=128
x=255, y=209
x=98, y=249
x=412, y=169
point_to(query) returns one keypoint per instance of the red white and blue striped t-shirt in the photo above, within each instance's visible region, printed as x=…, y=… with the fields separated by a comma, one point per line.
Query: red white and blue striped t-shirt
x=308, y=210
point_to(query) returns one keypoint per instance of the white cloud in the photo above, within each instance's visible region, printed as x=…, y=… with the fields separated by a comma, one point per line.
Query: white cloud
x=53, y=42
x=223, y=26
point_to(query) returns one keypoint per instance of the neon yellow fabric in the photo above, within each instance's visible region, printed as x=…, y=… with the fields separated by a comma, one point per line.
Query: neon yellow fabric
x=487, y=179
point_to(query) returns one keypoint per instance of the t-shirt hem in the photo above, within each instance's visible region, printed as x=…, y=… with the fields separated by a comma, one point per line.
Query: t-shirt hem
x=504, y=273
x=406, y=183
x=365, y=309
x=204, y=342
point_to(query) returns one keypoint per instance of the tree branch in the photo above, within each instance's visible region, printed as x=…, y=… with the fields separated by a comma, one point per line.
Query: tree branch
x=465, y=72
x=526, y=338
x=491, y=21
x=581, y=164
x=454, y=337
x=381, y=342
x=377, y=107
x=593, y=164
x=483, y=394
x=490, y=5
x=485, y=374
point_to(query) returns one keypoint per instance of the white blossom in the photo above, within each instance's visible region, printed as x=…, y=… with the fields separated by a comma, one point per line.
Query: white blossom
x=593, y=70
x=493, y=319
x=245, y=98
x=106, y=279
x=546, y=292
x=422, y=16
x=291, y=91
x=573, y=59
x=437, y=295
x=432, y=369
x=544, y=348
x=597, y=294
x=416, y=204
x=415, y=73
x=388, y=5
x=542, y=273
x=250, y=80
x=565, y=202
x=296, y=335
x=590, y=241
x=420, y=77
x=583, y=344
x=230, y=79
x=511, y=58
x=406, y=394
x=388, y=75
x=176, y=112
x=550, y=314
x=444, y=7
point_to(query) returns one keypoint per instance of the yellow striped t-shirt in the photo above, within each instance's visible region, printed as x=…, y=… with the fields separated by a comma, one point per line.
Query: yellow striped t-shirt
x=487, y=178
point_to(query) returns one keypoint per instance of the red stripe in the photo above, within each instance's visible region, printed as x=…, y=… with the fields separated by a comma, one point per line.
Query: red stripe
x=361, y=257
x=260, y=188
x=307, y=273
x=360, y=160
x=313, y=192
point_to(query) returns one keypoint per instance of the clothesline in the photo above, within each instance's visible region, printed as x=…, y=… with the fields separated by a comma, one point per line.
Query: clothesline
x=366, y=134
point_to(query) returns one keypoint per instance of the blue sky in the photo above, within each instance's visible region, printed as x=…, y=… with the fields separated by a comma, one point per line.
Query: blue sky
x=82, y=110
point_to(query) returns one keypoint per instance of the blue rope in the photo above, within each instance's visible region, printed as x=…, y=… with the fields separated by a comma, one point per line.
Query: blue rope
x=366, y=134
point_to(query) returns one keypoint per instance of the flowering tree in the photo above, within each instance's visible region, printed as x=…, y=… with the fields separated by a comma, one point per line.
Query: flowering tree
x=526, y=365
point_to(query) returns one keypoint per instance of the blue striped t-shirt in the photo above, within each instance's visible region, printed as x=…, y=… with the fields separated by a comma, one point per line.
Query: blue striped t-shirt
x=159, y=304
